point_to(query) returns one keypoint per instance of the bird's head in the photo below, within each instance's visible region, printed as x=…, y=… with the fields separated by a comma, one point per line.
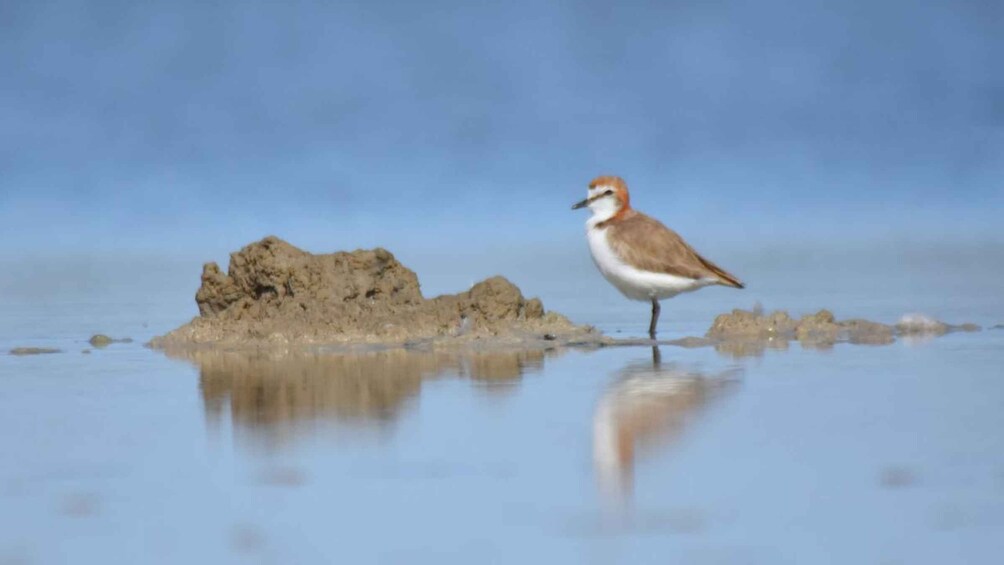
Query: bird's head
x=607, y=196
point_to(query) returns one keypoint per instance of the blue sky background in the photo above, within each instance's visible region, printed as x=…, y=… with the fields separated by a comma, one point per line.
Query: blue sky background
x=195, y=127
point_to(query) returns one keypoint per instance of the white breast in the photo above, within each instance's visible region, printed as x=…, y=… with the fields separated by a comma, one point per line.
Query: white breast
x=633, y=282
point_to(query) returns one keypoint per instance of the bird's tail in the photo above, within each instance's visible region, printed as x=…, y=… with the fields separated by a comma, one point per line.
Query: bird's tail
x=725, y=278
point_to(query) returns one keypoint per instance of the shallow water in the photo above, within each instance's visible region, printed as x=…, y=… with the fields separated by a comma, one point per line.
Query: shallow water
x=856, y=454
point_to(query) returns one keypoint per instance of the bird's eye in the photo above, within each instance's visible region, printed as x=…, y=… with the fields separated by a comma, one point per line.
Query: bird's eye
x=608, y=193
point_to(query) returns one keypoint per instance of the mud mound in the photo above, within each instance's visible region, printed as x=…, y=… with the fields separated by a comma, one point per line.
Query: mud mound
x=274, y=293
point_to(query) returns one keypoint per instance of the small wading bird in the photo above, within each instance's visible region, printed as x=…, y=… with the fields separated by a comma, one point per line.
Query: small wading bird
x=644, y=259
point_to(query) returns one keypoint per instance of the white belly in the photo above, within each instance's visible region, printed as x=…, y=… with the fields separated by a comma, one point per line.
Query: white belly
x=632, y=282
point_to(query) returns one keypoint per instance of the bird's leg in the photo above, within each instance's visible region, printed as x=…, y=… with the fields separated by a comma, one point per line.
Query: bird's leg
x=655, y=318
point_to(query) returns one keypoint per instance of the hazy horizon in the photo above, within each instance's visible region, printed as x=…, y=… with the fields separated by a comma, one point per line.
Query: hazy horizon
x=189, y=129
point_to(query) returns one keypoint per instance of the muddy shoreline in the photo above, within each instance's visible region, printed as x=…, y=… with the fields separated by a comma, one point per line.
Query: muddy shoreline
x=277, y=297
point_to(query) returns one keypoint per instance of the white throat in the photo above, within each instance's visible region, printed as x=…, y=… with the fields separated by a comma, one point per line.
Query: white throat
x=603, y=209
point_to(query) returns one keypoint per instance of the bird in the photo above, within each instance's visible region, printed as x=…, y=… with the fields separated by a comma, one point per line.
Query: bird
x=640, y=256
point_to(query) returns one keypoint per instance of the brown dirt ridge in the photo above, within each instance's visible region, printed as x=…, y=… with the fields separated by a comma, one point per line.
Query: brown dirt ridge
x=276, y=294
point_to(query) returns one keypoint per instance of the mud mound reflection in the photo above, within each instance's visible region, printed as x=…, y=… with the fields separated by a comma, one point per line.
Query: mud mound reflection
x=276, y=397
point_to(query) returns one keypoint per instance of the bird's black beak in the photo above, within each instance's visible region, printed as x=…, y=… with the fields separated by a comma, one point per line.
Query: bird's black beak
x=582, y=204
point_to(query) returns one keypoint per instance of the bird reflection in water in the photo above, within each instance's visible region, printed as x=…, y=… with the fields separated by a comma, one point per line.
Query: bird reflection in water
x=277, y=398
x=648, y=406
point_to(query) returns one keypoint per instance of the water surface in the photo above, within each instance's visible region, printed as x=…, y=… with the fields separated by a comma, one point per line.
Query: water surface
x=856, y=454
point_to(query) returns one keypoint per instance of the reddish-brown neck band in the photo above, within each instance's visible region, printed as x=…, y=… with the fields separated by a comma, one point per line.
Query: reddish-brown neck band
x=625, y=209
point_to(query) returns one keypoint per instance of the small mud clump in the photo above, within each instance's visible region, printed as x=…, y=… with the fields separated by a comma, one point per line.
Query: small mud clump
x=276, y=294
x=921, y=325
x=868, y=333
x=33, y=351
x=752, y=325
x=101, y=340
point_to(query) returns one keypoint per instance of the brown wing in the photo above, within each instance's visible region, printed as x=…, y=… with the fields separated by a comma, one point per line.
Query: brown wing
x=646, y=243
